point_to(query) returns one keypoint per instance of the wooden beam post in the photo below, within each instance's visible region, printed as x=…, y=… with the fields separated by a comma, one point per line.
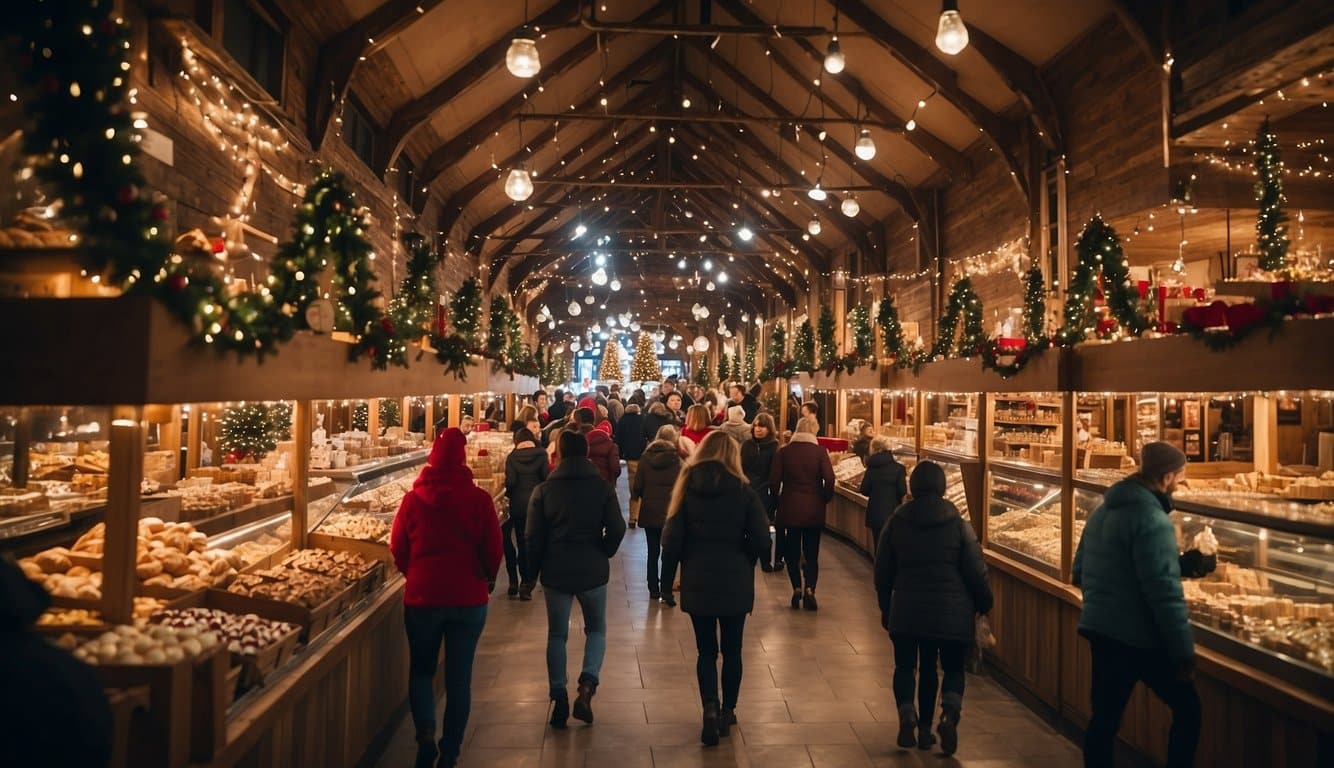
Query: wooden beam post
x=301, y=435
x=22, y=445
x=122, y=515
x=194, y=439
x=169, y=437
x=1069, y=463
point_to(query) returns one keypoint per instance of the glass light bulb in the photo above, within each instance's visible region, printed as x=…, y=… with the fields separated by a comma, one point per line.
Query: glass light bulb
x=834, y=61
x=579, y=230
x=575, y=309
x=615, y=285
x=521, y=59
x=745, y=234
x=589, y=299
x=611, y=321
x=722, y=277
x=574, y=346
x=851, y=207
x=673, y=344
x=600, y=277
x=865, y=148
x=951, y=34
x=710, y=286
x=519, y=185
x=813, y=227
x=701, y=344
x=817, y=193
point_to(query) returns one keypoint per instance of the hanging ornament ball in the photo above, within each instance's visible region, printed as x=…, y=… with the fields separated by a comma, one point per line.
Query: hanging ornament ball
x=704, y=313
x=177, y=282
x=701, y=344
x=160, y=213
x=127, y=194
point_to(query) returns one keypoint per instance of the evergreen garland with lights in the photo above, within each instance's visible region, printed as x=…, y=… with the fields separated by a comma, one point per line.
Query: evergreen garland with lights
x=776, y=364
x=724, y=367
x=1271, y=222
x=702, y=371
x=644, y=366
x=518, y=355
x=1035, y=306
x=465, y=313
x=495, y=328
x=803, y=349
x=829, y=357
x=891, y=331
x=963, y=302
x=247, y=432
x=610, y=369
x=1099, y=251
x=413, y=309
x=863, y=340
x=748, y=372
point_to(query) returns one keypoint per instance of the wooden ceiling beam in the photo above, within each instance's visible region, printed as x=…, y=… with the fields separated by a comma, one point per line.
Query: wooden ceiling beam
x=751, y=295
x=460, y=198
x=1022, y=78
x=339, y=57
x=1143, y=21
x=935, y=73
x=409, y=117
x=952, y=160
x=473, y=135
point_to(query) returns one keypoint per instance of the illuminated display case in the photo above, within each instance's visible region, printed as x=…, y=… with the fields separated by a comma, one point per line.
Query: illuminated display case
x=1024, y=517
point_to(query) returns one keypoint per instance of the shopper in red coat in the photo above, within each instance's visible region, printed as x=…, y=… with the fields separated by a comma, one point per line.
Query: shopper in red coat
x=604, y=454
x=446, y=541
x=802, y=478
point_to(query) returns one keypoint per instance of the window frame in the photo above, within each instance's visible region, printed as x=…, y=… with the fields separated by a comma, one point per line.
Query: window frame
x=363, y=116
x=267, y=13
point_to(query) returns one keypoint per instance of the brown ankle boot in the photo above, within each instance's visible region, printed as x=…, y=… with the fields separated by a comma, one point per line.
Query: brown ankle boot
x=583, y=703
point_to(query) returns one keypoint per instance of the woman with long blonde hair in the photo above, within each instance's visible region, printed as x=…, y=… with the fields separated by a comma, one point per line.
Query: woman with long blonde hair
x=716, y=529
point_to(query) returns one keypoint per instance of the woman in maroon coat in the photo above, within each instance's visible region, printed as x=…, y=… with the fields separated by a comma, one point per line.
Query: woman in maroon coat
x=604, y=454
x=802, y=478
x=446, y=542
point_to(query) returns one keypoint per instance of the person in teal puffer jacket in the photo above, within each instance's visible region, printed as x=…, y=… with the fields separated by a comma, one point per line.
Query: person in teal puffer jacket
x=1134, y=613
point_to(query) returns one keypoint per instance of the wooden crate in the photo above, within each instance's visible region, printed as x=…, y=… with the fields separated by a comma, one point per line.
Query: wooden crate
x=373, y=550
x=209, y=699
x=250, y=669
x=313, y=621
x=160, y=736
x=126, y=705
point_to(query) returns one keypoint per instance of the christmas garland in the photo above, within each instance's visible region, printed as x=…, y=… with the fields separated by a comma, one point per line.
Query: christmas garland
x=1271, y=227
x=495, y=329
x=414, y=307
x=963, y=302
x=776, y=364
x=465, y=313
x=829, y=357
x=863, y=341
x=1034, y=330
x=1100, y=253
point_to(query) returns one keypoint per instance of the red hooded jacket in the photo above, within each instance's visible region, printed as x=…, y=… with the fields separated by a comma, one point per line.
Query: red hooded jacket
x=446, y=536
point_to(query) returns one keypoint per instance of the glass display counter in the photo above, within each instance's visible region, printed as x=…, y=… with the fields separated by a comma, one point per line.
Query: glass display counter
x=950, y=423
x=1026, y=429
x=1024, y=517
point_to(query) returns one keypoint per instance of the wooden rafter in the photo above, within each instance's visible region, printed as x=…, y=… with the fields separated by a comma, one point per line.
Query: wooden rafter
x=339, y=58
x=952, y=160
x=1000, y=133
x=472, y=135
x=1023, y=79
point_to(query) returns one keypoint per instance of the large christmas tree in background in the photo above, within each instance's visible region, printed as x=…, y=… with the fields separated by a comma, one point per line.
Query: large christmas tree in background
x=1271, y=223
x=246, y=432
x=645, y=366
x=702, y=370
x=610, y=370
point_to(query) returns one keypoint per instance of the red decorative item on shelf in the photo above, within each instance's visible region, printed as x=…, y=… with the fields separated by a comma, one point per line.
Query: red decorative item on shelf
x=482, y=426
x=1242, y=316
x=218, y=245
x=1199, y=294
x=1213, y=315
x=1106, y=326
x=1143, y=287
x=441, y=317
x=1010, y=344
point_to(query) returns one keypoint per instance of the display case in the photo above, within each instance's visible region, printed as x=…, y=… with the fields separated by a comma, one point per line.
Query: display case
x=365, y=507
x=950, y=423
x=1026, y=429
x=1024, y=517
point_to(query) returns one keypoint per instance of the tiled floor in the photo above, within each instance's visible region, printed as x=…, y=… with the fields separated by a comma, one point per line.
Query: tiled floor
x=815, y=692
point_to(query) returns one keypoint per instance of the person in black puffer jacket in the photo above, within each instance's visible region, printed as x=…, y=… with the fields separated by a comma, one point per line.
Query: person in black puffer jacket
x=884, y=485
x=757, y=456
x=631, y=441
x=716, y=528
x=651, y=488
x=657, y=416
x=525, y=469
x=574, y=528
x=932, y=583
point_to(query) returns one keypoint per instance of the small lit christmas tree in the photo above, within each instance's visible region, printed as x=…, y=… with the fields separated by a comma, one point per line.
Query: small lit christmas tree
x=1271, y=223
x=645, y=366
x=496, y=327
x=828, y=344
x=465, y=312
x=246, y=432
x=863, y=340
x=280, y=420
x=736, y=366
x=803, y=349
x=775, y=358
x=1035, y=306
x=724, y=366
x=391, y=414
x=891, y=331
x=963, y=303
x=610, y=370
x=748, y=373
x=702, y=370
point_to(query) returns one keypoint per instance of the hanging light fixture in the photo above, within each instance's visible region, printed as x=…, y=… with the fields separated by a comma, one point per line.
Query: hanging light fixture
x=615, y=284
x=851, y=207
x=814, y=226
x=701, y=344
x=574, y=346
x=673, y=344
x=519, y=185
x=951, y=34
x=745, y=234
x=710, y=286
x=600, y=276
x=521, y=59
x=834, y=61
x=817, y=193
x=589, y=299
x=575, y=309
x=865, y=147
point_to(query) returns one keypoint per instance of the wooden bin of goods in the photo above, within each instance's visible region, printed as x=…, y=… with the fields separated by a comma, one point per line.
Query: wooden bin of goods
x=126, y=705
x=247, y=669
x=313, y=621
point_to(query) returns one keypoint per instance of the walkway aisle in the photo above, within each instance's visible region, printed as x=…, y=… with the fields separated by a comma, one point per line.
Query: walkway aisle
x=815, y=693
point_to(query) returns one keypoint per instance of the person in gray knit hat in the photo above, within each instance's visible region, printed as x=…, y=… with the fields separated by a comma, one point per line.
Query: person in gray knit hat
x=1134, y=615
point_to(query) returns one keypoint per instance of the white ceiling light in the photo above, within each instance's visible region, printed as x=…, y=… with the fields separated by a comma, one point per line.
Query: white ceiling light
x=722, y=277
x=951, y=34
x=710, y=286
x=579, y=230
x=600, y=259
x=701, y=344
x=589, y=299
x=865, y=148
x=851, y=207
x=681, y=264
x=521, y=59
x=685, y=103
x=519, y=185
x=615, y=284
x=575, y=309
x=574, y=346
x=834, y=61
x=814, y=226
x=552, y=325
x=745, y=234
x=597, y=328
x=708, y=264
x=635, y=326
x=911, y=124
x=600, y=276
x=673, y=344
x=816, y=193
x=703, y=312
x=611, y=321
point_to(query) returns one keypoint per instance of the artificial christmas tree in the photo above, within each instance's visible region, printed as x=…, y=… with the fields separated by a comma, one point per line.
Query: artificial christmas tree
x=962, y=303
x=644, y=366
x=702, y=370
x=724, y=367
x=1271, y=223
x=246, y=432
x=829, y=357
x=1100, y=254
x=748, y=373
x=736, y=367
x=1035, y=306
x=803, y=349
x=610, y=370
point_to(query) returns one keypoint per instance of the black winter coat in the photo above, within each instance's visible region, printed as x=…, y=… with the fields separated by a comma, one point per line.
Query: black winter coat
x=884, y=485
x=757, y=457
x=574, y=527
x=630, y=436
x=716, y=536
x=652, y=423
x=658, y=469
x=525, y=469
x=751, y=406
x=929, y=574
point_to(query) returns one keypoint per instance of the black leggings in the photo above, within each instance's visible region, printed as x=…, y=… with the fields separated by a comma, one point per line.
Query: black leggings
x=707, y=630
x=803, y=541
x=516, y=560
x=666, y=567
x=916, y=654
x=1116, y=669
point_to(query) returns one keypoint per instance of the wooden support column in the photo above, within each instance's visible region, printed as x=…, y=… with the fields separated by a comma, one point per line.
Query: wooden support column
x=782, y=388
x=122, y=516
x=1265, y=429
x=986, y=414
x=918, y=420
x=430, y=418
x=301, y=434
x=372, y=417
x=22, y=445
x=194, y=439
x=1069, y=452
x=169, y=436
x=455, y=410
x=511, y=410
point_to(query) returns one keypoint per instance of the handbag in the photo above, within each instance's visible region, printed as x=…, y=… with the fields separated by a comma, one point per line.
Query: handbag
x=984, y=637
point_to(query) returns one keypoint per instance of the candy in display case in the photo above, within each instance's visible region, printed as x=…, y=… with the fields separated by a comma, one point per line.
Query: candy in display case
x=951, y=423
x=955, y=490
x=1024, y=518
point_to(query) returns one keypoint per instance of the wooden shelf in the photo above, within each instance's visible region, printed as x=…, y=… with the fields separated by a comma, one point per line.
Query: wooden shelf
x=132, y=352
x=1048, y=372
x=1028, y=423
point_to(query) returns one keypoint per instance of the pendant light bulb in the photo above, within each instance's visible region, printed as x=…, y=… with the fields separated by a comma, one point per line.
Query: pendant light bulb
x=817, y=193
x=701, y=344
x=814, y=226
x=519, y=185
x=745, y=234
x=615, y=284
x=865, y=147
x=851, y=207
x=834, y=61
x=600, y=277
x=951, y=34
x=521, y=59
x=575, y=309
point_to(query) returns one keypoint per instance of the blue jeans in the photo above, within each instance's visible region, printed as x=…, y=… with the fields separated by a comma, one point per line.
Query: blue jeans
x=459, y=629
x=593, y=603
